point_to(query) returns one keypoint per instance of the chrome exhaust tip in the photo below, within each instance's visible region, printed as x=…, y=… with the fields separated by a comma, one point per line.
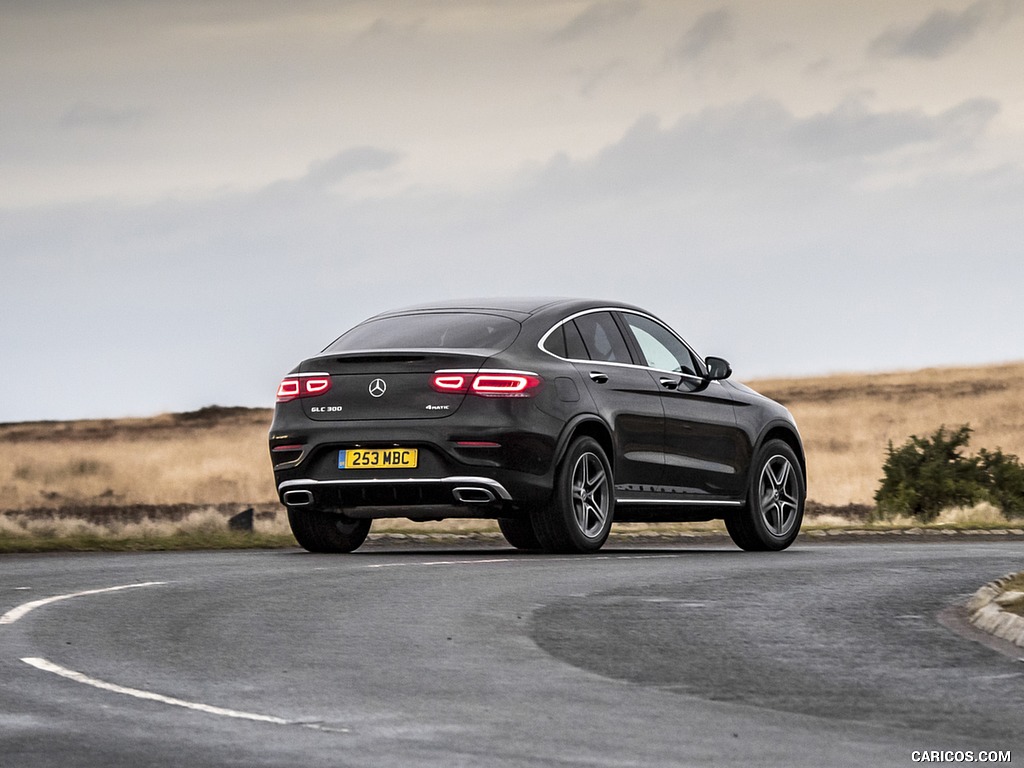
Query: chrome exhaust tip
x=467, y=495
x=298, y=498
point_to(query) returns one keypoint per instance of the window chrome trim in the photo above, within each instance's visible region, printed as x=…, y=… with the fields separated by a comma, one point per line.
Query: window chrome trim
x=622, y=311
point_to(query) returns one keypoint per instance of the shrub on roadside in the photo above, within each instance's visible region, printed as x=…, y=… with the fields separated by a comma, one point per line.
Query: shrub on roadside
x=926, y=475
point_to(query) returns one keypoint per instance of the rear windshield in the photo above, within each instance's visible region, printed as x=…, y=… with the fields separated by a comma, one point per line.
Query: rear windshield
x=443, y=330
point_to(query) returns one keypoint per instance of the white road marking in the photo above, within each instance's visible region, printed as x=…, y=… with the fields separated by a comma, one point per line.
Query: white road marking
x=48, y=666
x=16, y=613
x=78, y=677
x=515, y=559
x=443, y=562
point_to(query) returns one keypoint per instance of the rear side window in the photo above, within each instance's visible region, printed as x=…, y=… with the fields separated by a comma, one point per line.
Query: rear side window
x=565, y=341
x=441, y=330
x=602, y=338
x=574, y=347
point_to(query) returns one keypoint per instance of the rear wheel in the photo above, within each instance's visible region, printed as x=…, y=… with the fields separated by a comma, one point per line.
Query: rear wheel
x=519, y=532
x=579, y=515
x=319, y=531
x=775, y=501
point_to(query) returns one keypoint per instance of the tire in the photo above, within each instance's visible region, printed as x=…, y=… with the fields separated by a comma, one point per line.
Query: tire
x=771, y=519
x=329, y=532
x=519, y=532
x=579, y=515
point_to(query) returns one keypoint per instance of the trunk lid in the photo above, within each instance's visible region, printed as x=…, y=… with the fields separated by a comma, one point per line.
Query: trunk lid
x=386, y=385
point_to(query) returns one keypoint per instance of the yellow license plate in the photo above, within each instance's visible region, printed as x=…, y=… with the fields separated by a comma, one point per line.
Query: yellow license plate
x=377, y=458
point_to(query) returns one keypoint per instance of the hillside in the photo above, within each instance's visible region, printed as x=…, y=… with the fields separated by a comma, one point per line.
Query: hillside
x=218, y=456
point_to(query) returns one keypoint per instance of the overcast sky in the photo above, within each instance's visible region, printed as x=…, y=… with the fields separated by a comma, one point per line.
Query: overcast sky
x=197, y=194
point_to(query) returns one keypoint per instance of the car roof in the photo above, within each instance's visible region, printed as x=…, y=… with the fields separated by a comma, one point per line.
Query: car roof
x=518, y=307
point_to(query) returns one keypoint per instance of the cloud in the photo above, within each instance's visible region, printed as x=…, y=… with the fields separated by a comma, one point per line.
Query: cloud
x=851, y=130
x=943, y=32
x=597, y=16
x=759, y=144
x=350, y=162
x=710, y=30
x=747, y=226
x=86, y=114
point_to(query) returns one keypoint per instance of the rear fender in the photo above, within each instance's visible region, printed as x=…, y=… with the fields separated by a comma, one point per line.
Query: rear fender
x=590, y=425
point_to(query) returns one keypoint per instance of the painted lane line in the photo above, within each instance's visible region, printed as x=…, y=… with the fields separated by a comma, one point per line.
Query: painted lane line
x=16, y=613
x=442, y=562
x=78, y=677
x=48, y=666
x=209, y=709
x=490, y=560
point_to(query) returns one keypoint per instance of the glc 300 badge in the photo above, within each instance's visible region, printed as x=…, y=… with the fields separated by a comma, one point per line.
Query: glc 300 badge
x=378, y=387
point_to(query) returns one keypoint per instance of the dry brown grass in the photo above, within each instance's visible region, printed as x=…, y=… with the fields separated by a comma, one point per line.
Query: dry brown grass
x=218, y=456
x=848, y=420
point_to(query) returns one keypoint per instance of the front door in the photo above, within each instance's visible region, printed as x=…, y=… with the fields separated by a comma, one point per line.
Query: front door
x=702, y=447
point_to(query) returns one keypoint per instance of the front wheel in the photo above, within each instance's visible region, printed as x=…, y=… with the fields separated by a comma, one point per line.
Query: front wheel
x=578, y=517
x=329, y=532
x=774, y=510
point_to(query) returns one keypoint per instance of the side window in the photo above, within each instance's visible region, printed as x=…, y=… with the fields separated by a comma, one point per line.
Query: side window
x=660, y=346
x=602, y=338
x=555, y=342
x=574, y=347
x=565, y=341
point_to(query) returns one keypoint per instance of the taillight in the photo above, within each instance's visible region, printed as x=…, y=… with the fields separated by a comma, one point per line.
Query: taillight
x=487, y=383
x=303, y=385
x=450, y=382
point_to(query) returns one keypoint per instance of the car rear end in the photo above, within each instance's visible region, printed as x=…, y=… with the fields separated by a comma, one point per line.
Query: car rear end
x=420, y=415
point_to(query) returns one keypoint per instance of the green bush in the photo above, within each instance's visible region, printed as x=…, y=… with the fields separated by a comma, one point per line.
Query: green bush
x=926, y=475
x=1005, y=476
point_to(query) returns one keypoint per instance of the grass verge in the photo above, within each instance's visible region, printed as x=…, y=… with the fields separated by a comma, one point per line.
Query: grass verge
x=175, y=528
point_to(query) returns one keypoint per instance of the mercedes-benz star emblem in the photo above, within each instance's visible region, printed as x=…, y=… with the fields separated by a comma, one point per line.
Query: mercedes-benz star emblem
x=378, y=387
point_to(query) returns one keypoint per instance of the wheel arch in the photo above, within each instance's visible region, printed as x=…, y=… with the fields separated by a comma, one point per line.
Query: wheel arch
x=587, y=425
x=787, y=434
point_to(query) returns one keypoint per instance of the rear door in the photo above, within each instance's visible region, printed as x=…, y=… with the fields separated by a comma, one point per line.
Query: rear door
x=626, y=396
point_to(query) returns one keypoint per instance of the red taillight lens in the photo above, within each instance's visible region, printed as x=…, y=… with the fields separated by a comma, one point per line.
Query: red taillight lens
x=303, y=385
x=487, y=384
x=450, y=382
x=287, y=390
x=504, y=384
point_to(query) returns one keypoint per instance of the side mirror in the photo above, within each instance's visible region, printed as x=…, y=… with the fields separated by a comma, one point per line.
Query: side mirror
x=718, y=369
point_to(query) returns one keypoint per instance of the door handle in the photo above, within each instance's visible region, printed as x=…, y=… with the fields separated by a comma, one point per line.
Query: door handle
x=669, y=383
x=598, y=377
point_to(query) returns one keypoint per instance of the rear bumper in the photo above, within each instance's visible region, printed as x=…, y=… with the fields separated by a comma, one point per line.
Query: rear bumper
x=483, y=467
x=401, y=492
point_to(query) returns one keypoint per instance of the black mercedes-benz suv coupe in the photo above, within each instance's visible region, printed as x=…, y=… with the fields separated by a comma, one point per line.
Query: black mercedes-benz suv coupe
x=555, y=417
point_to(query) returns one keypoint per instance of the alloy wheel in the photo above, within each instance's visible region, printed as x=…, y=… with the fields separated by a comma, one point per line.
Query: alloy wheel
x=778, y=491
x=590, y=495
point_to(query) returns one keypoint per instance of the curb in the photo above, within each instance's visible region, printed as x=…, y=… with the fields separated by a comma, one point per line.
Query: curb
x=920, y=532
x=986, y=611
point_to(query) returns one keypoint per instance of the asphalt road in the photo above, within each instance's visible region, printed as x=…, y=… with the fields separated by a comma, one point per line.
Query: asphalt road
x=823, y=655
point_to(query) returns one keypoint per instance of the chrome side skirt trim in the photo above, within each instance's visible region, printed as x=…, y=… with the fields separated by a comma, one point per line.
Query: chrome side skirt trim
x=682, y=502
x=485, y=482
